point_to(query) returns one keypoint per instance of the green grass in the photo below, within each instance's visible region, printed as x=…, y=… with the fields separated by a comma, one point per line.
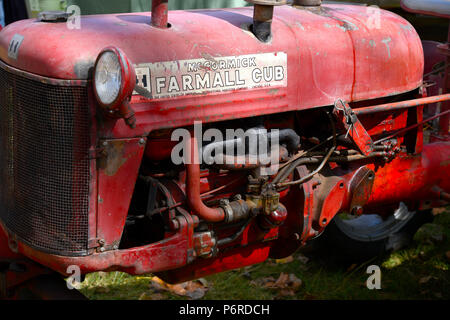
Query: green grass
x=420, y=271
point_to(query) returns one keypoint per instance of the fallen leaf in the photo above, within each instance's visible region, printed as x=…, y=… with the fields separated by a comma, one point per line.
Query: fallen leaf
x=262, y=282
x=204, y=282
x=285, y=282
x=282, y=281
x=284, y=260
x=192, y=289
x=158, y=285
x=179, y=289
x=437, y=211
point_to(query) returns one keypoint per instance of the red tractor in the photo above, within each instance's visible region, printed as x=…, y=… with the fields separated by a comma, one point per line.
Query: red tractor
x=187, y=143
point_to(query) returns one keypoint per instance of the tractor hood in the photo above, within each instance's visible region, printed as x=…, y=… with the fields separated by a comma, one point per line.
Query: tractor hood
x=339, y=51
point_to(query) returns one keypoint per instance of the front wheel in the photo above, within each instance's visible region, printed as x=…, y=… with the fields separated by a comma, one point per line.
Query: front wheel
x=358, y=239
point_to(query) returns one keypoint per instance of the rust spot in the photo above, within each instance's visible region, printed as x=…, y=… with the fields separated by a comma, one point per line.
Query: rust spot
x=114, y=157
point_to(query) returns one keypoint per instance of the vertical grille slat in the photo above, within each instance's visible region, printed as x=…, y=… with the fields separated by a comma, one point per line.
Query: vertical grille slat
x=44, y=163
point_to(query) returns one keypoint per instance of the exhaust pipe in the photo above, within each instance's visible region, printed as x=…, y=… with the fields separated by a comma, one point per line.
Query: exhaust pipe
x=160, y=14
x=262, y=18
x=193, y=188
x=307, y=3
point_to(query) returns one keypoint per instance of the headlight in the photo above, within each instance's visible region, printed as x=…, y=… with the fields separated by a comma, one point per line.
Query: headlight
x=114, y=78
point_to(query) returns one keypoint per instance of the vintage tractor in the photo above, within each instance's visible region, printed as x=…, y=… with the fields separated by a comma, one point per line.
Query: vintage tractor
x=187, y=143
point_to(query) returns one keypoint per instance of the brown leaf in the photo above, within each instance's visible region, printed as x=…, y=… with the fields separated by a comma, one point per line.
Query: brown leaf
x=178, y=289
x=282, y=281
x=284, y=260
x=262, y=282
x=192, y=289
x=269, y=284
x=437, y=211
x=158, y=285
x=286, y=281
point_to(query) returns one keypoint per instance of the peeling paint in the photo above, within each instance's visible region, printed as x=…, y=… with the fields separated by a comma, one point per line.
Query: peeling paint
x=386, y=42
x=298, y=24
x=406, y=27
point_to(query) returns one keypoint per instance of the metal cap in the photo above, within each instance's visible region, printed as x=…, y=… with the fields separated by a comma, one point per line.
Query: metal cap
x=53, y=16
x=268, y=2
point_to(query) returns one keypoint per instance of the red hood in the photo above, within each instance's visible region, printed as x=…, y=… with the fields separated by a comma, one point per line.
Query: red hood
x=340, y=52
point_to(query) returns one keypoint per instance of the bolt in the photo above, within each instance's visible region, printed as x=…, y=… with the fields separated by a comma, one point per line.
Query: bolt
x=116, y=247
x=102, y=249
x=105, y=143
x=142, y=141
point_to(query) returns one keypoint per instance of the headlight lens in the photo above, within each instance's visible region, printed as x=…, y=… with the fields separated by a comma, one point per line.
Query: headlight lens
x=108, y=77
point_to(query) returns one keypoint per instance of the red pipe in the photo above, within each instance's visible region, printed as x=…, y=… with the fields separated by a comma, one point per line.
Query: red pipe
x=193, y=188
x=445, y=121
x=160, y=13
x=402, y=104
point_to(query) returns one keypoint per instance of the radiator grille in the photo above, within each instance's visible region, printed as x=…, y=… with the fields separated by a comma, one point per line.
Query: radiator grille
x=44, y=163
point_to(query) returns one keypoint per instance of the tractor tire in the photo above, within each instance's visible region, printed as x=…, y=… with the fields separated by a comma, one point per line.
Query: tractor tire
x=368, y=236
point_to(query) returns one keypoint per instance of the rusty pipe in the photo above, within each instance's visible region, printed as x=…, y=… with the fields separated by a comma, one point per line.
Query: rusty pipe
x=193, y=187
x=402, y=104
x=307, y=3
x=160, y=13
x=262, y=18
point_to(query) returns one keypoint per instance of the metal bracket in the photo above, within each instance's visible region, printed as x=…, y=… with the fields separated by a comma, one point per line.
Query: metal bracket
x=354, y=128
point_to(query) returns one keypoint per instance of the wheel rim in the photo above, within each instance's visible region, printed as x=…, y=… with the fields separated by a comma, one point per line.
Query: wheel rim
x=373, y=227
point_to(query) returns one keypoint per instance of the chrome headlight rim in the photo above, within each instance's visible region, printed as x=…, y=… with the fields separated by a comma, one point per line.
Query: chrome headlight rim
x=127, y=78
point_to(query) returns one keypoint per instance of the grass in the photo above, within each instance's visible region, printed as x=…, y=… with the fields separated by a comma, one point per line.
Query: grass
x=420, y=271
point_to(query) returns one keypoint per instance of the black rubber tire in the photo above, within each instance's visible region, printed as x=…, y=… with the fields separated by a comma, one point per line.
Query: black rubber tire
x=336, y=245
